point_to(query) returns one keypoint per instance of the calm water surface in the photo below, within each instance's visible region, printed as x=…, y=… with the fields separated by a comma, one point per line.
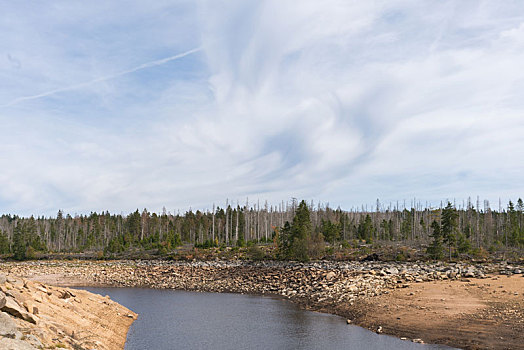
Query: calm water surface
x=171, y=319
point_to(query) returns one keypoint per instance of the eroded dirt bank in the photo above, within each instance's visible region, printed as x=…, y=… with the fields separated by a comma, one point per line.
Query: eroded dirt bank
x=467, y=306
x=37, y=316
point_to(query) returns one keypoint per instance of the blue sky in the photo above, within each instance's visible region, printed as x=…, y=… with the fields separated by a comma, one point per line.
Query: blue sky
x=123, y=105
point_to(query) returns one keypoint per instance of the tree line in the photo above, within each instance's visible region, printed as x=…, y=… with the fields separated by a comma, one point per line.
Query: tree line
x=296, y=227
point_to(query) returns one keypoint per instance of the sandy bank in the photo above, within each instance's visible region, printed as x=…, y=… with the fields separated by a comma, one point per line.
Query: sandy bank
x=469, y=313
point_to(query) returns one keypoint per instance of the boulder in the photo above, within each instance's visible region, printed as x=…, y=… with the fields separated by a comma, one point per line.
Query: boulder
x=66, y=294
x=470, y=273
x=352, y=288
x=15, y=282
x=2, y=278
x=7, y=326
x=392, y=271
x=330, y=275
x=34, y=341
x=12, y=308
x=14, y=344
x=29, y=306
x=2, y=300
x=41, y=289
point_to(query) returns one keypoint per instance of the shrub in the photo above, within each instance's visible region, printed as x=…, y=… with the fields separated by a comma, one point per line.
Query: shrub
x=30, y=253
x=255, y=253
x=463, y=244
x=346, y=244
x=400, y=257
x=479, y=253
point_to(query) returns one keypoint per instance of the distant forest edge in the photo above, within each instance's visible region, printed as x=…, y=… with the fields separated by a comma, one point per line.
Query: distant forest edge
x=291, y=231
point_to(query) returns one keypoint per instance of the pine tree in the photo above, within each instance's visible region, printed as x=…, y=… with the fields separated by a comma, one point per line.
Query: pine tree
x=300, y=232
x=330, y=230
x=4, y=243
x=284, y=241
x=293, y=243
x=435, y=249
x=19, y=244
x=365, y=229
x=513, y=226
x=449, y=226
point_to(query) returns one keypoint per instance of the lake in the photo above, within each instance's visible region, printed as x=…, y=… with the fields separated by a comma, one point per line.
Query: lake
x=170, y=319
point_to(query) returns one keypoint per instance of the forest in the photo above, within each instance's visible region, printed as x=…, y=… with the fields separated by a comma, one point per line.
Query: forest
x=299, y=230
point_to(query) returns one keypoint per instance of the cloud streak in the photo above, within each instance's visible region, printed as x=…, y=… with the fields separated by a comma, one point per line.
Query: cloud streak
x=147, y=65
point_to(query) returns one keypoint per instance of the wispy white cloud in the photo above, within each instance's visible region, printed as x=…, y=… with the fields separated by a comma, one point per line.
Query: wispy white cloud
x=343, y=102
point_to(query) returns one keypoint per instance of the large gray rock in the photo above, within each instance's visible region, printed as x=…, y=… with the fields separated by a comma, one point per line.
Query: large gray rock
x=470, y=273
x=34, y=341
x=14, y=344
x=7, y=326
x=392, y=271
x=2, y=300
x=2, y=278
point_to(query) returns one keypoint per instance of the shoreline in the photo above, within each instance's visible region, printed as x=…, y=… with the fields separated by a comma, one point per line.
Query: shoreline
x=458, y=303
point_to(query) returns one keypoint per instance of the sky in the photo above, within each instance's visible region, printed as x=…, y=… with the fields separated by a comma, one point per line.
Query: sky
x=119, y=105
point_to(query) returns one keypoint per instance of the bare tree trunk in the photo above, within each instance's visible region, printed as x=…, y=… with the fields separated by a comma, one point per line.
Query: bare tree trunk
x=236, y=226
x=227, y=222
x=213, y=230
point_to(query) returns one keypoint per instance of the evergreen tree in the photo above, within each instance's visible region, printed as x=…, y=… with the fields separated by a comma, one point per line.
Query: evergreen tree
x=435, y=250
x=449, y=226
x=4, y=244
x=300, y=232
x=293, y=243
x=284, y=241
x=19, y=244
x=513, y=226
x=407, y=224
x=365, y=229
x=463, y=243
x=330, y=230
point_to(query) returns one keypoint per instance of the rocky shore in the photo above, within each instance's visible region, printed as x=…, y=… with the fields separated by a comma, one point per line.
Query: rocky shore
x=318, y=281
x=345, y=288
x=37, y=316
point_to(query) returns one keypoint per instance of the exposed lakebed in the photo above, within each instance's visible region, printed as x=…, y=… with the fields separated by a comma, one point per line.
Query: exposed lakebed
x=171, y=319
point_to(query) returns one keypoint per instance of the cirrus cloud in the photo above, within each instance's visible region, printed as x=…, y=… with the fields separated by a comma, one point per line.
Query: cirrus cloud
x=341, y=101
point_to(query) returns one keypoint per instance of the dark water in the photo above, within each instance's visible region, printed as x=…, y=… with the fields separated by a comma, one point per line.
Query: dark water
x=185, y=320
